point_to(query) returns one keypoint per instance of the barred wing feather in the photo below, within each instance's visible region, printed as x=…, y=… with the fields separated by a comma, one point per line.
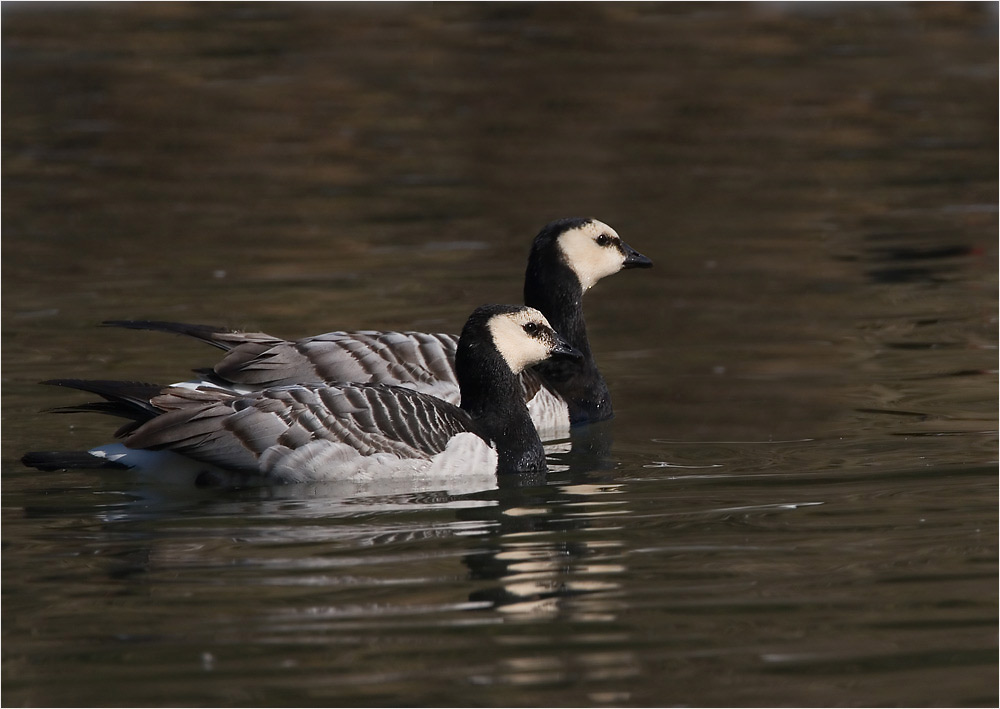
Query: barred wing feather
x=420, y=361
x=416, y=360
x=305, y=432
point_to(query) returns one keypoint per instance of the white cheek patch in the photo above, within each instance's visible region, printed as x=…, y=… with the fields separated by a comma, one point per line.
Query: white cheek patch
x=518, y=348
x=589, y=261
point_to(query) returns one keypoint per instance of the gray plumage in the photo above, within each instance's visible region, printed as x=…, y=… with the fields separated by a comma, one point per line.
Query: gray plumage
x=351, y=432
x=300, y=431
x=567, y=257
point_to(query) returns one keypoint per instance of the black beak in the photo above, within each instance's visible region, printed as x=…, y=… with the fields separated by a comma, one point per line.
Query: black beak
x=561, y=347
x=633, y=259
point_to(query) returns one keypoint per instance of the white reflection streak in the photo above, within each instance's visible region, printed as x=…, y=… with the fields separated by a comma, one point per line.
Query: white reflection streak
x=665, y=464
x=543, y=669
x=739, y=508
x=548, y=579
x=713, y=443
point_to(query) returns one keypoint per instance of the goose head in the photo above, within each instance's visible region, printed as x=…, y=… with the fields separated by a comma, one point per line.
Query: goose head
x=593, y=250
x=524, y=337
x=506, y=337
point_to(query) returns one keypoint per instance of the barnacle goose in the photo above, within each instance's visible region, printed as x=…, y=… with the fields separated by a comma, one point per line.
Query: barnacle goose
x=317, y=432
x=567, y=258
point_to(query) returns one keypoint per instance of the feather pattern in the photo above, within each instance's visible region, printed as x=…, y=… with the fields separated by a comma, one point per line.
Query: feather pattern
x=420, y=361
x=349, y=432
x=314, y=422
x=567, y=257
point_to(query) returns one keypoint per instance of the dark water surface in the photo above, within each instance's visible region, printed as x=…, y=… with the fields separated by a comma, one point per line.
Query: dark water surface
x=799, y=506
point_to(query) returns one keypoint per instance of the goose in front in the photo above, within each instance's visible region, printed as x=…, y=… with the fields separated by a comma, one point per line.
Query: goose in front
x=567, y=258
x=354, y=432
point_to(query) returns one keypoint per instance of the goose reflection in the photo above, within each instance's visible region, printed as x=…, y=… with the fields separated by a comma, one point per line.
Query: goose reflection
x=545, y=554
x=554, y=554
x=325, y=577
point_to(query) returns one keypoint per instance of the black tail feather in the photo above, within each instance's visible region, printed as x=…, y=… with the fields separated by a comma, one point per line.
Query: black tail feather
x=205, y=333
x=67, y=460
x=129, y=400
x=99, y=407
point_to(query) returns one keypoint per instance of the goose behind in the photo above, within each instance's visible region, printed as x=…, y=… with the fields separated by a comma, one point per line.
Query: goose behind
x=567, y=258
x=317, y=432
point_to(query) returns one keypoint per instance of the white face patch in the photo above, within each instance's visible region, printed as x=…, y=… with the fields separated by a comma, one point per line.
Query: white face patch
x=590, y=260
x=517, y=347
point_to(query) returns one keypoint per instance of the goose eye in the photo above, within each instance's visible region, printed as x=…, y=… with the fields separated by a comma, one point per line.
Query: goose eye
x=603, y=240
x=531, y=328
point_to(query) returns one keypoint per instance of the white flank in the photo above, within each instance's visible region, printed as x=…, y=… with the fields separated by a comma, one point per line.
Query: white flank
x=467, y=464
x=550, y=414
x=163, y=467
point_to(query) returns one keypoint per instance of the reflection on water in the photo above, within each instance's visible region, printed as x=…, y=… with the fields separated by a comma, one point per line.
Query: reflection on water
x=796, y=504
x=540, y=577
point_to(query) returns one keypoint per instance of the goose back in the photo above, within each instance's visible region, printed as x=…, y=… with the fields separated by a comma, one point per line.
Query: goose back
x=301, y=433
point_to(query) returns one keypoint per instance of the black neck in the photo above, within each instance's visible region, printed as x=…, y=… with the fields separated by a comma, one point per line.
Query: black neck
x=552, y=287
x=493, y=398
x=555, y=290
